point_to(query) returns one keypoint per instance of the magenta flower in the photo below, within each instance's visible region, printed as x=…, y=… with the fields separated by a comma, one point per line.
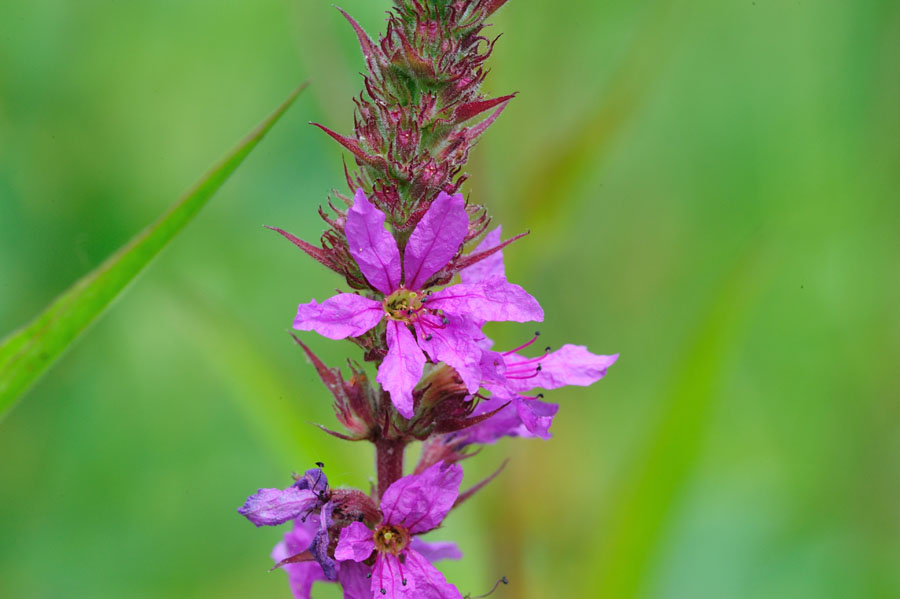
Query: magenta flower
x=511, y=378
x=514, y=380
x=446, y=323
x=413, y=505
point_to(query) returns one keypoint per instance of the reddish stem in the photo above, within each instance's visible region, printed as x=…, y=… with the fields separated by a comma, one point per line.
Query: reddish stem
x=389, y=461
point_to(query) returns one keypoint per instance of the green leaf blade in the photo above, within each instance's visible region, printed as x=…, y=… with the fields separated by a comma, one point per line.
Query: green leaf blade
x=27, y=352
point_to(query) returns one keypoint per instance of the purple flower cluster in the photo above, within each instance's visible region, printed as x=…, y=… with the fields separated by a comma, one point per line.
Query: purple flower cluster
x=422, y=295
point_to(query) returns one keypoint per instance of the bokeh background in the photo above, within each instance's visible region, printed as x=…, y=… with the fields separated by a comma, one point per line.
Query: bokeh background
x=711, y=188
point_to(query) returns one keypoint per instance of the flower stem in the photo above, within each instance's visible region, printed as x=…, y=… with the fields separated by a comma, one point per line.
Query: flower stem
x=389, y=461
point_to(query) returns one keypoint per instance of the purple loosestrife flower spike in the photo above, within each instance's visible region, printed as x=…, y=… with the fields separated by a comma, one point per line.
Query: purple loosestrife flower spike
x=413, y=505
x=446, y=322
x=399, y=239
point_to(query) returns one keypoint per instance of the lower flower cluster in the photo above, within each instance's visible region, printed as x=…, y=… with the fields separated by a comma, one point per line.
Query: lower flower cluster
x=439, y=382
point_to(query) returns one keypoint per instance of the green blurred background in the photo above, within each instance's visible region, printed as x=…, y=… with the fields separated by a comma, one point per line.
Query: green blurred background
x=712, y=191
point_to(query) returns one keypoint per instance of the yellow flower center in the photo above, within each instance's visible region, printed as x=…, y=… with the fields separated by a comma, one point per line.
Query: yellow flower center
x=403, y=305
x=391, y=539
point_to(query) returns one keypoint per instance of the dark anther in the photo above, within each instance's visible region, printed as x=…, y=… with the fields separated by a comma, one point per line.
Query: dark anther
x=384, y=591
x=320, y=464
x=445, y=320
x=540, y=396
x=537, y=333
x=368, y=575
x=428, y=337
x=403, y=582
x=303, y=519
x=539, y=368
x=548, y=349
x=504, y=580
x=408, y=312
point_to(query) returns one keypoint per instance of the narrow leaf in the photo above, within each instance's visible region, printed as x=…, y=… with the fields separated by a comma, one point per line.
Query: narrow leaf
x=26, y=353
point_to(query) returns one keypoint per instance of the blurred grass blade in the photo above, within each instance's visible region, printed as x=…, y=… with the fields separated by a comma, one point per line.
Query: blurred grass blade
x=645, y=502
x=26, y=353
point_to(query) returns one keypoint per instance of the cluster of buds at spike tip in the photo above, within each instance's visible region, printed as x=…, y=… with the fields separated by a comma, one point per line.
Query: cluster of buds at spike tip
x=420, y=298
x=418, y=117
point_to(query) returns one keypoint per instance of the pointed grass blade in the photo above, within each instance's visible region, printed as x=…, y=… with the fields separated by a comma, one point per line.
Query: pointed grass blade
x=27, y=352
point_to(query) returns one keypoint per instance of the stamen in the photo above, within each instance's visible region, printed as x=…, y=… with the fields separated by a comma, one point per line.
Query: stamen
x=523, y=377
x=526, y=361
x=521, y=347
x=503, y=579
x=320, y=464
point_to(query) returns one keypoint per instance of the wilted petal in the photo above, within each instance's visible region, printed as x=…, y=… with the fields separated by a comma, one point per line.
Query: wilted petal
x=353, y=578
x=356, y=543
x=492, y=266
x=569, y=365
x=301, y=576
x=420, y=502
x=429, y=582
x=402, y=367
x=436, y=239
x=436, y=551
x=321, y=541
x=494, y=299
x=271, y=507
x=454, y=342
x=371, y=245
x=338, y=317
x=314, y=480
x=390, y=578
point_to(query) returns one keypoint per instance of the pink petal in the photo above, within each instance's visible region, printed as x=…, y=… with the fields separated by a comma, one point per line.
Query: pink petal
x=390, y=578
x=271, y=507
x=492, y=266
x=341, y=316
x=536, y=416
x=521, y=418
x=436, y=551
x=402, y=367
x=454, y=343
x=371, y=245
x=494, y=299
x=354, y=580
x=429, y=582
x=421, y=501
x=436, y=239
x=569, y=365
x=302, y=575
x=356, y=543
